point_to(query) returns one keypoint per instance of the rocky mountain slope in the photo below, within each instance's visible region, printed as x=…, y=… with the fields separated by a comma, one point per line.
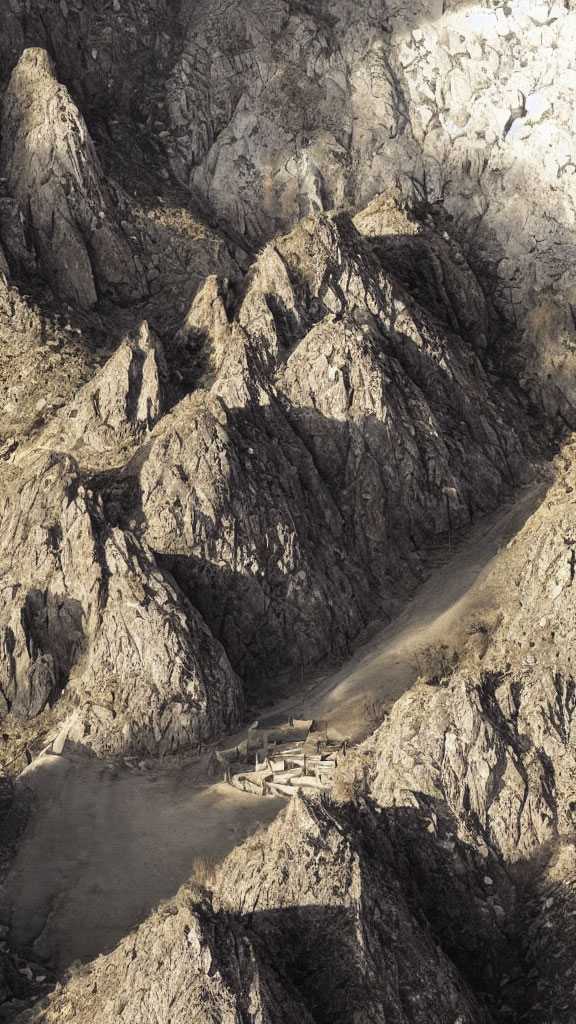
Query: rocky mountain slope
x=267, y=474
x=436, y=882
x=286, y=300
x=268, y=112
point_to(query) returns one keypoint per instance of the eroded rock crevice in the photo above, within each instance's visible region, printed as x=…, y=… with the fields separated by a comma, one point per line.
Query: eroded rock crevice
x=285, y=303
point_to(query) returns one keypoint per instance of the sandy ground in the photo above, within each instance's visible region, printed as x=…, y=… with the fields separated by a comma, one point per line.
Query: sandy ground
x=460, y=593
x=105, y=844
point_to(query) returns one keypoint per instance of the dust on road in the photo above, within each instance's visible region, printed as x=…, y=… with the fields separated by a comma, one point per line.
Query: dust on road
x=106, y=845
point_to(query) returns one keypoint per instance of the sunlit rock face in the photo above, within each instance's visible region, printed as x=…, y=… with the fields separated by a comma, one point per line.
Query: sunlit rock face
x=358, y=347
x=278, y=281
x=266, y=112
x=490, y=90
x=330, y=412
x=290, y=108
x=463, y=105
x=54, y=177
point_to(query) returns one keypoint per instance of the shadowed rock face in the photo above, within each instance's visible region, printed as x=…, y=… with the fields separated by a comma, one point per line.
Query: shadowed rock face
x=121, y=403
x=303, y=474
x=437, y=883
x=498, y=735
x=328, y=433
x=328, y=934
x=220, y=974
x=266, y=112
x=272, y=110
x=86, y=611
x=54, y=174
x=218, y=466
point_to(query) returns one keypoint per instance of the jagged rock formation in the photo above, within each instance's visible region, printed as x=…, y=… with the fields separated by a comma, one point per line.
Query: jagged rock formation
x=327, y=432
x=306, y=924
x=43, y=362
x=218, y=466
x=497, y=736
x=328, y=889
x=270, y=112
x=119, y=405
x=274, y=110
x=493, y=743
x=85, y=608
x=440, y=885
x=53, y=174
x=220, y=974
x=90, y=612
x=331, y=413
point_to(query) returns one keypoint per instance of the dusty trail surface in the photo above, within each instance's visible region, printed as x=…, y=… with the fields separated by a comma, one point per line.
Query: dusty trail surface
x=463, y=588
x=106, y=844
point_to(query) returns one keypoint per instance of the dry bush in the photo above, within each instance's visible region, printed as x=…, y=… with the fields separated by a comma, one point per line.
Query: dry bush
x=481, y=633
x=375, y=711
x=436, y=663
x=203, y=871
x=345, y=788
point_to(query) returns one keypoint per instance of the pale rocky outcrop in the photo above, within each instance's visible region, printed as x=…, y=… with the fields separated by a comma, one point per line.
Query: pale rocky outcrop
x=494, y=740
x=328, y=892
x=243, y=485
x=85, y=608
x=470, y=781
x=267, y=112
x=290, y=491
x=117, y=407
x=197, y=965
x=52, y=170
x=44, y=361
x=307, y=924
x=311, y=464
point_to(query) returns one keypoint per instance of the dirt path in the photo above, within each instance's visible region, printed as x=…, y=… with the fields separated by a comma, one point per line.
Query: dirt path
x=105, y=845
x=457, y=596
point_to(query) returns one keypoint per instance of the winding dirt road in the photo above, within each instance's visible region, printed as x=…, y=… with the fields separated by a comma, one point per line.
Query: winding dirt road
x=106, y=844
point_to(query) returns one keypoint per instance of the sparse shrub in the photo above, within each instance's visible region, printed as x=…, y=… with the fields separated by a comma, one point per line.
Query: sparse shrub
x=202, y=872
x=481, y=634
x=345, y=789
x=436, y=664
x=375, y=711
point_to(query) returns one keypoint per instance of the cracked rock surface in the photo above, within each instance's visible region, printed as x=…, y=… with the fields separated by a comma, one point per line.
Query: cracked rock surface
x=53, y=173
x=286, y=300
x=436, y=882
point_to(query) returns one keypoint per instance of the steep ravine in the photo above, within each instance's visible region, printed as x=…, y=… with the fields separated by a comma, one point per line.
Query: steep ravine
x=112, y=835
x=285, y=305
x=433, y=884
